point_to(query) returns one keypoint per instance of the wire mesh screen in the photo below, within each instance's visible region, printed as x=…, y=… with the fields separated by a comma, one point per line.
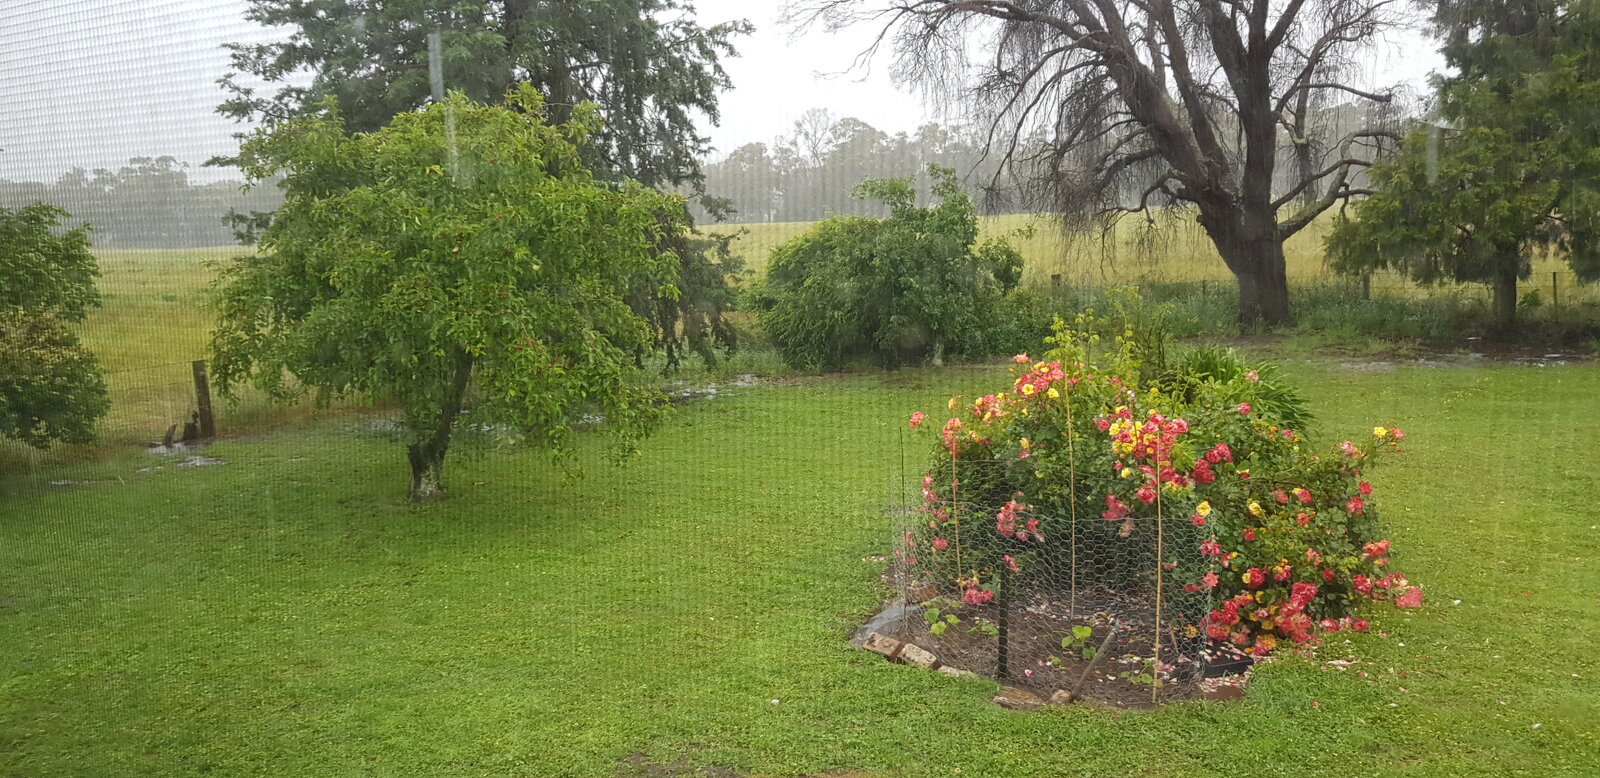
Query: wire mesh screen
x=1107, y=610
x=467, y=387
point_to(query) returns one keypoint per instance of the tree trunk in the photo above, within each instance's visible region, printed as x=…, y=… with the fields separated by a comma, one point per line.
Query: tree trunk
x=427, y=468
x=1504, y=301
x=427, y=456
x=1257, y=262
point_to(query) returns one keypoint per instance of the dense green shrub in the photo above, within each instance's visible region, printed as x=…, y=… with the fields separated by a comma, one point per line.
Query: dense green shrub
x=50, y=385
x=1223, y=376
x=913, y=287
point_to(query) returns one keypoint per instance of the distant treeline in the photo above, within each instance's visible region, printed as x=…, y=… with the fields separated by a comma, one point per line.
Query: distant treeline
x=809, y=173
x=149, y=203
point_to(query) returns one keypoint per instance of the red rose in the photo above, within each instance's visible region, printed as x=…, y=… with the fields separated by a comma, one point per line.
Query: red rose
x=1411, y=599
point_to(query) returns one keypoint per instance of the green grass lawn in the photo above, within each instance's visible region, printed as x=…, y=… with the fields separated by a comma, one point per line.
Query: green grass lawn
x=287, y=614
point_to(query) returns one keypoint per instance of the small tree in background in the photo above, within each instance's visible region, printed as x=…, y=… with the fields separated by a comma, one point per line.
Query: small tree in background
x=482, y=280
x=1520, y=176
x=693, y=319
x=50, y=385
x=914, y=286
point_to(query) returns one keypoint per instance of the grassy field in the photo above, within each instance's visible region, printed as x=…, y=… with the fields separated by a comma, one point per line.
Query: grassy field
x=1170, y=252
x=288, y=614
x=153, y=322
x=155, y=319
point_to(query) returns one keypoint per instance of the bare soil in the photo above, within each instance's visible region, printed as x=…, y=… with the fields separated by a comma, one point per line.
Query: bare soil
x=1037, y=661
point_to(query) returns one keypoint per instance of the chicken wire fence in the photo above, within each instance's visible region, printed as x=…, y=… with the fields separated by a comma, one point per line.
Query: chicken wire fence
x=1110, y=609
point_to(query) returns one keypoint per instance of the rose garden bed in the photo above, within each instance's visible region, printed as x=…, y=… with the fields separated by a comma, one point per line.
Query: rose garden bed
x=1138, y=519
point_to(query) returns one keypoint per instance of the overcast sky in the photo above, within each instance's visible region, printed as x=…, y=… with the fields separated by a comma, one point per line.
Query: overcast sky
x=91, y=83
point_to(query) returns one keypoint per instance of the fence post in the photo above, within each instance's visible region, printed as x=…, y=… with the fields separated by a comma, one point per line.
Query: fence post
x=1555, y=292
x=1366, y=286
x=202, y=398
x=1002, y=668
x=1055, y=280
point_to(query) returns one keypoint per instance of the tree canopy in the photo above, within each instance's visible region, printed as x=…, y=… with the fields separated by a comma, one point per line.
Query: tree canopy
x=50, y=385
x=1235, y=113
x=1513, y=172
x=649, y=65
x=476, y=281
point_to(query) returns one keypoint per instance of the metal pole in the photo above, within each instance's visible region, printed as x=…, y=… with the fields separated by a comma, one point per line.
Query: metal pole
x=1003, y=665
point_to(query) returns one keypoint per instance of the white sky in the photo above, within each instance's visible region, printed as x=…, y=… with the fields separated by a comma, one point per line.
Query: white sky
x=91, y=83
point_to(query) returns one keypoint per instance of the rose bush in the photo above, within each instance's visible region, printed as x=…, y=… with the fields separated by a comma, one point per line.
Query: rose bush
x=1279, y=539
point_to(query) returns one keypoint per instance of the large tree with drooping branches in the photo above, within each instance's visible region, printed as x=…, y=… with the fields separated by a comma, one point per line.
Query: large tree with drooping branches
x=1241, y=113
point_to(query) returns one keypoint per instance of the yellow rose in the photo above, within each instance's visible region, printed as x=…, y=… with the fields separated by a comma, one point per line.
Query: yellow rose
x=1256, y=508
x=1379, y=432
x=1027, y=389
x=1052, y=394
x=1204, y=508
x=1024, y=442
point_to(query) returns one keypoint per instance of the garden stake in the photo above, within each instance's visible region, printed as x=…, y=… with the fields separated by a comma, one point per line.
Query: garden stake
x=1105, y=645
x=1155, y=671
x=1002, y=666
x=905, y=512
x=955, y=509
x=1072, y=501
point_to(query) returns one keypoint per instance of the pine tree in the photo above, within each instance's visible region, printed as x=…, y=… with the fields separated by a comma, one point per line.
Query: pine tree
x=1511, y=168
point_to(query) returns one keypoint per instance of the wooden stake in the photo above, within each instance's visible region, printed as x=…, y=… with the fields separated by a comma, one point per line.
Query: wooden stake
x=202, y=399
